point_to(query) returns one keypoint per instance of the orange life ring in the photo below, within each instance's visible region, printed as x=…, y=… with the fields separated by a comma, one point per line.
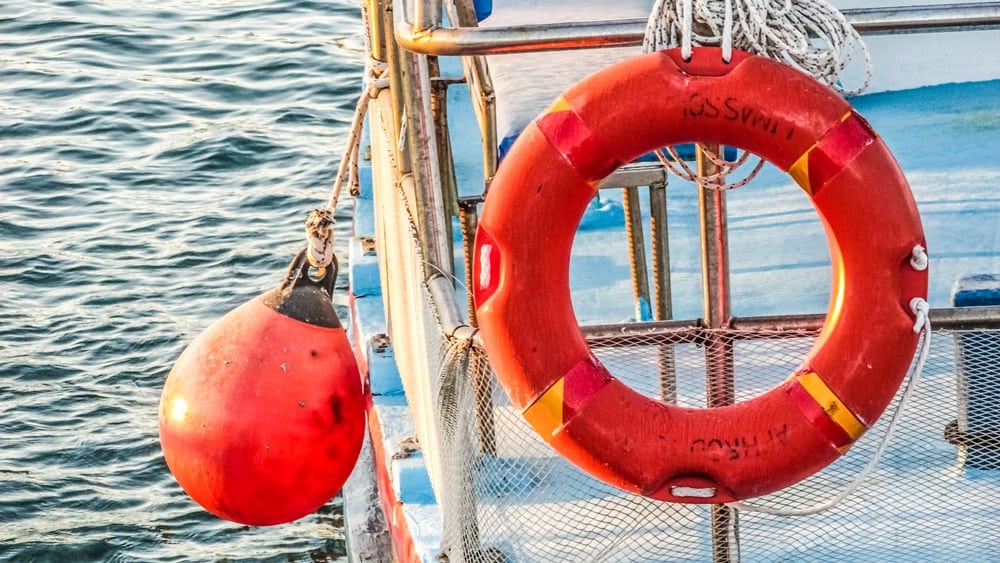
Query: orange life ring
x=525, y=313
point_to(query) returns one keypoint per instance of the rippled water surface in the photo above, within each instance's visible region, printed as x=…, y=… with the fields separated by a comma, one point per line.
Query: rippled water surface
x=157, y=160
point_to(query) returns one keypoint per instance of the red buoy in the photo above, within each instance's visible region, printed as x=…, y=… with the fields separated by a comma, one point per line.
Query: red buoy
x=263, y=415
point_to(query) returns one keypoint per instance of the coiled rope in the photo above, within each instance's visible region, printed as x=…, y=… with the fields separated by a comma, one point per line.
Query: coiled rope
x=810, y=35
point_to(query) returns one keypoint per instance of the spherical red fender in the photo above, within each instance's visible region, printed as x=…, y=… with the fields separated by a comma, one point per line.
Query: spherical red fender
x=521, y=276
x=262, y=417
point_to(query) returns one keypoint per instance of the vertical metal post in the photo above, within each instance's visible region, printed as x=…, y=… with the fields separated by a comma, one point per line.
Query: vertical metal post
x=715, y=286
x=395, y=71
x=426, y=14
x=485, y=424
x=372, y=14
x=468, y=218
x=429, y=211
x=636, y=252
x=662, y=294
x=477, y=75
x=718, y=349
x=446, y=161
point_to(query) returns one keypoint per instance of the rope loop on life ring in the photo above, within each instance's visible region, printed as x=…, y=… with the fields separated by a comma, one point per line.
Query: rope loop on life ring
x=811, y=35
x=525, y=312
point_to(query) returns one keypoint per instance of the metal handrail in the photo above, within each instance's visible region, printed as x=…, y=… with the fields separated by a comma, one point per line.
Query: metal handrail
x=946, y=318
x=427, y=36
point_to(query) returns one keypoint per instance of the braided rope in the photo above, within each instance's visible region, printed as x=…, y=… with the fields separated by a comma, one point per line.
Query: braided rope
x=717, y=181
x=810, y=35
x=319, y=223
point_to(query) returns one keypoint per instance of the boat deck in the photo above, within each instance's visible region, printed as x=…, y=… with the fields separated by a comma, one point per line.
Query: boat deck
x=488, y=485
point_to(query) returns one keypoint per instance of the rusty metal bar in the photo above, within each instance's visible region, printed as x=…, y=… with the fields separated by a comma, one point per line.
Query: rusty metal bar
x=746, y=328
x=636, y=252
x=662, y=293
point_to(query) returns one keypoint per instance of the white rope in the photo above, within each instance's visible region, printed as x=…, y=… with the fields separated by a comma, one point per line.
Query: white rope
x=319, y=223
x=727, y=33
x=920, y=309
x=687, y=30
x=918, y=258
x=319, y=232
x=810, y=35
x=717, y=181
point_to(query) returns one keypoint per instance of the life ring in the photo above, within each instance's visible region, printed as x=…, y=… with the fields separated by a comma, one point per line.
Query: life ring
x=521, y=276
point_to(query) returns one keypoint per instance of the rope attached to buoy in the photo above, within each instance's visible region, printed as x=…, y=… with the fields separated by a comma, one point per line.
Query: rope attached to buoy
x=319, y=223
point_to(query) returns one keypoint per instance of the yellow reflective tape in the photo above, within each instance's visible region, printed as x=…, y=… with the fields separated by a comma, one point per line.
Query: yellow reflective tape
x=832, y=405
x=546, y=413
x=560, y=105
x=799, y=170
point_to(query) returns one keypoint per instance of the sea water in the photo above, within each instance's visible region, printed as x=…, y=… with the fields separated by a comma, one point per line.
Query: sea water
x=157, y=161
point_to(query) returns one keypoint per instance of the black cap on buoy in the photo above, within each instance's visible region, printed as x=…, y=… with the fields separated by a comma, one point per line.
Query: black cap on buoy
x=303, y=298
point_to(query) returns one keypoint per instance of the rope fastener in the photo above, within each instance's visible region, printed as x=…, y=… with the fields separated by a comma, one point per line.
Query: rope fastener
x=918, y=258
x=921, y=309
x=319, y=232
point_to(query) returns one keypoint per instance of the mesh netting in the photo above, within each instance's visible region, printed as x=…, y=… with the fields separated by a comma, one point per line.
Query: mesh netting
x=511, y=497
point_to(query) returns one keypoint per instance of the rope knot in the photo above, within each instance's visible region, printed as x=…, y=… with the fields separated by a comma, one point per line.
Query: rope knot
x=319, y=231
x=921, y=309
x=918, y=258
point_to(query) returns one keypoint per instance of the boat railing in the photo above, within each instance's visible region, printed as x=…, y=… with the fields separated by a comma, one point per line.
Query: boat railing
x=424, y=33
x=419, y=31
x=419, y=108
x=421, y=35
x=409, y=36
